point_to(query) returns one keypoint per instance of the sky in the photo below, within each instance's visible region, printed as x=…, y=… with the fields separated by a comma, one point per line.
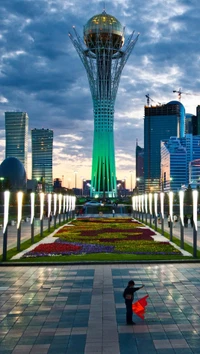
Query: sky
x=41, y=74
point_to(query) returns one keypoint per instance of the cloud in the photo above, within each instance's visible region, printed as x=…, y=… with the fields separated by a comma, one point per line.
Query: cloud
x=41, y=73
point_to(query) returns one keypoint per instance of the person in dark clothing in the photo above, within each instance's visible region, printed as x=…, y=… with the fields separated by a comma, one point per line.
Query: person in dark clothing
x=128, y=295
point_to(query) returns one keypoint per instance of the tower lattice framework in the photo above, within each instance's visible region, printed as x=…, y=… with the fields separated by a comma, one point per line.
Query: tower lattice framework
x=104, y=57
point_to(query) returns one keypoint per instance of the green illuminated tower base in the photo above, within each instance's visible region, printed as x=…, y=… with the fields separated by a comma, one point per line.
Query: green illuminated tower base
x=103, y=55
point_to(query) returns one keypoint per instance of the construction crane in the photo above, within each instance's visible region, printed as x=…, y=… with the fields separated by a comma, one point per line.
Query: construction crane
x=185, y=93
x=150, y=99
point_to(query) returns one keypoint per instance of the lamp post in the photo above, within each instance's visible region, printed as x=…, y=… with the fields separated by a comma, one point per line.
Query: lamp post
x=41, y=213
x=19, y=218
x=150, y=207
x=156, y=210
x=55, y=208
x=181, y=206
x=171, y=195
x=32, y=215
x=5, y=224
x=49, y=210
x=64, y=206
x=59, y=207
x=195, y=204
x=142, y=200
x=162, y=211
x=146, y=206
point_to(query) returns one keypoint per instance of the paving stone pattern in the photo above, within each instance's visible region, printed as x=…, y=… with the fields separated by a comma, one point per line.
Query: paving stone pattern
x=80, y=309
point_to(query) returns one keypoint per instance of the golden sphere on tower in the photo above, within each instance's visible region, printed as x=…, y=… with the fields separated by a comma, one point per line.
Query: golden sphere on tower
x=103, y=29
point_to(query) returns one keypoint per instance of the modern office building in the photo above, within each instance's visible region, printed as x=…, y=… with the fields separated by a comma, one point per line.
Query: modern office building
x=179, y=159
x=194, y=173
x=173, y=165
x=139, y=168
x=160, y=123
x=42, y=156
x=103, y=55
x=16, y=130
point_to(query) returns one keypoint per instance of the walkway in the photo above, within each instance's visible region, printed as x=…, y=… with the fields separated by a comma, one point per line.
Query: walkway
x=80, y=309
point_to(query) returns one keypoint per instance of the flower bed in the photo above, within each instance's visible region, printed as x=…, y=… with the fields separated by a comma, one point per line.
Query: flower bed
x=119, y=236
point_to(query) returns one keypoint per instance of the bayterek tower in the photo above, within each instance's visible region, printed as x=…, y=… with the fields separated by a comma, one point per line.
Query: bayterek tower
x=103, y=54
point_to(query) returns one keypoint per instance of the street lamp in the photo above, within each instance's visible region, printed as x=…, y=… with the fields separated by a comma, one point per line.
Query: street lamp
x=162, y=210
x=32, y=215
x=156, y=209
x=181, y=206
x=195, y=204
x=171, y=195
x=19, y=218
x=41, y=213
x=5, y=223
x=150, y=206
x=49, y=210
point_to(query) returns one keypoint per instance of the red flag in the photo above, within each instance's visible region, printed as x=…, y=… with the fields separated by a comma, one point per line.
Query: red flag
x=139, y=307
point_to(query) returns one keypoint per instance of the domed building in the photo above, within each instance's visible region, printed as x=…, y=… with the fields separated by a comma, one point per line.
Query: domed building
x=13, y=174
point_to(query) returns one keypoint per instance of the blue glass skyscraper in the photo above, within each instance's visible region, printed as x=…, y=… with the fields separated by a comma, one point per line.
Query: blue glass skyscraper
x=42, y=154
x=16, y=129
x=160, y=123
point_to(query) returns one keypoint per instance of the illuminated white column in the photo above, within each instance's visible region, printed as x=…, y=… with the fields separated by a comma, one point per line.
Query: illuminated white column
x=139, y=200
x=6, y=210
x=156, y=204
x=146, y=203
x=41, y=206
x=162, y=196
x=59, y=203
x=181, y=206
x=19, y=218
x=150, y=203
x=55, y=204
x=142, y=197
x=162, y=204
x=181, y=209
x=32, y=215
x=19, y=214
x=64, y=203
x=195, y=227
x=49, y=204
x=171, y=196
x=5, y=224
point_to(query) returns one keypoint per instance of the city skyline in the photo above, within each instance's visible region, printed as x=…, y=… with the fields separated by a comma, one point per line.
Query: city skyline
x=37, y=77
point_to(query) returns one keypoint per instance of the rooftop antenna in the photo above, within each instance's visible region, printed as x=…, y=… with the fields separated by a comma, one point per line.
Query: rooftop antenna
x=104, y=6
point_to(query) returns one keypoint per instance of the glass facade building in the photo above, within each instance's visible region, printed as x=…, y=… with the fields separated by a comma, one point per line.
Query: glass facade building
x=178, y=158
x=16, y=130
x=42, y=156
x=160, y=123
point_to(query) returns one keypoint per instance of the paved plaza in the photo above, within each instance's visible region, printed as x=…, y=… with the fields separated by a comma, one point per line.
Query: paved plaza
x=80, y=309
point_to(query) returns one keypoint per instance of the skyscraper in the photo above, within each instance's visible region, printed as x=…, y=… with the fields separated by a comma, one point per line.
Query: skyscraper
x=160, y=123
x=177, y=156
x=16, y=129
x=104, y=55
x=42, y=152
x=139, y=168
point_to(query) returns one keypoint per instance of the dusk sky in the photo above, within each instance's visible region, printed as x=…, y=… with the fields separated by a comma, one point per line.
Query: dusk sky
x=41, y=73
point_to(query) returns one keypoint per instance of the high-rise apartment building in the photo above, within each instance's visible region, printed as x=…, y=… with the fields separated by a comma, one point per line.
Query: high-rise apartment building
x=16, y=130
x=42, y=156
x=160, y=123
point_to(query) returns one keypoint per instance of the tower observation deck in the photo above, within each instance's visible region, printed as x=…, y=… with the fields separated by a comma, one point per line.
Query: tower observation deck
x=103, y=54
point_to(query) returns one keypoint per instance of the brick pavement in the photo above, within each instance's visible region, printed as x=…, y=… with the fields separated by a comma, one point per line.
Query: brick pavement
x=80, y=309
